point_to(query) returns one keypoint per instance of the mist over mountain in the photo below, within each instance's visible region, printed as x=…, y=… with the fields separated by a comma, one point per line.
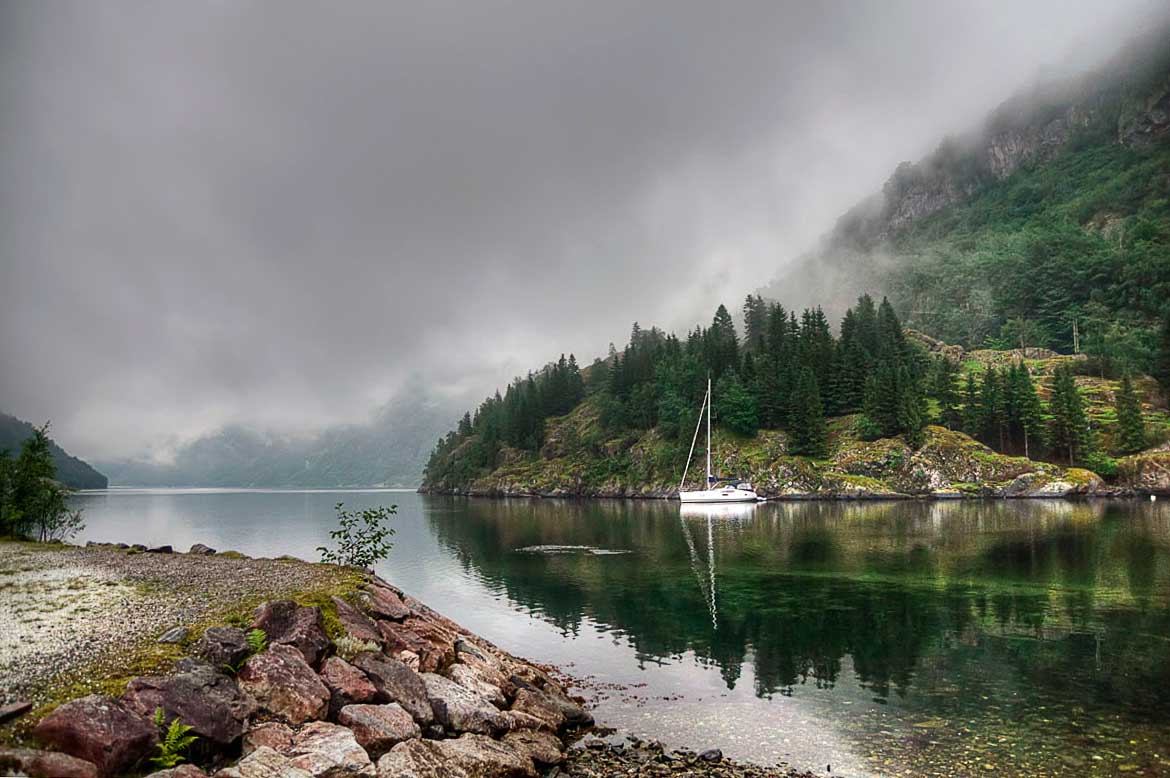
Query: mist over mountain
x=389, y=450
x=1053, y=209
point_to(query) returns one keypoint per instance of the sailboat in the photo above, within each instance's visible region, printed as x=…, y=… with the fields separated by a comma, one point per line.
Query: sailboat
x=718, y=489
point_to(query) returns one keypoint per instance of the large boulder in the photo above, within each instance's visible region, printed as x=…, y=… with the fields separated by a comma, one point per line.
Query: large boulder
x=283, y=683
x=101, y=730
x=396, y=682
x=482, y=680
x=347, y=684
x=382, y=602
x=459, y=709
x=357, y=624
x=328, y=751
x=469, y=756
x=540, y=746
x=299, y=626
x=554, y=709
x=1148, y=472
x=264, y=762
x=223, y=646
x=44, y=764
x=201, y=697
x=430, y=641
x=377, y=728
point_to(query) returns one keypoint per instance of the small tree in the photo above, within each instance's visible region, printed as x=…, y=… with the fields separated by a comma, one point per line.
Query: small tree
x=1162, y=358
x=1131, y=428
x=362, y=536
x=1069, y=430
x=807, y=434
x=946, y=391
x=735, y=407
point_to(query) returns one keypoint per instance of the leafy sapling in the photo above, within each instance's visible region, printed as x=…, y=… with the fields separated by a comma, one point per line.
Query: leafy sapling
x=361, y=536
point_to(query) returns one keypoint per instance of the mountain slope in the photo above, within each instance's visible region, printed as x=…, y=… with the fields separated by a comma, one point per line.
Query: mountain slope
x=71, y=471
x=1056, y=210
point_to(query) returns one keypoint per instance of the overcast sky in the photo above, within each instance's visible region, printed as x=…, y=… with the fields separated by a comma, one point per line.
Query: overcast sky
x=274, y=212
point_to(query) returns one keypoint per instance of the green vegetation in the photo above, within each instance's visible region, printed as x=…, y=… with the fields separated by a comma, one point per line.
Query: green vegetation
x=175, y=739
x=1131, y=427
x=361, y=536
x=1080, y=240
x=32, y=500
x=796, y=408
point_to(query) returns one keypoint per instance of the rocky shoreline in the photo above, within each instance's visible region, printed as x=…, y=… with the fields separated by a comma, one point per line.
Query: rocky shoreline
x=366, y=681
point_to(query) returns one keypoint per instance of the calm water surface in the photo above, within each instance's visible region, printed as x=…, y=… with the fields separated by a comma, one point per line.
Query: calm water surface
x=991, y=638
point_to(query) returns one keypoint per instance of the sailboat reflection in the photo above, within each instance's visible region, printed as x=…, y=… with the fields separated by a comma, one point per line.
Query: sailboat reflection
x=710, y=512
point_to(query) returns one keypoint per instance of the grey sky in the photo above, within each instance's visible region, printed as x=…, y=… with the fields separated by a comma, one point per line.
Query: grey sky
x=273, y=212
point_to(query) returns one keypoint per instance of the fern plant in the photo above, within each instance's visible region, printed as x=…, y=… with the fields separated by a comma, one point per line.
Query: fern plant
x=176, y=739
x=257, y=641
x=257, y=644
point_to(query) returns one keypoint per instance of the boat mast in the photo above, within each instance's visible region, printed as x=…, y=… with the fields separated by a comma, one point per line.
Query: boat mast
x=708, y=486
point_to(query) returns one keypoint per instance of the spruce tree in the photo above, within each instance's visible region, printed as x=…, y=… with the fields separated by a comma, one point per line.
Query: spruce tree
x=1161, y=370
x=807, y=433
x=946, y=392
x=1028, y=410
x=1069, y=431
x=993, y=411
x=1131, y=428
x=735, y=408
x=910, y=416
x=970, y=414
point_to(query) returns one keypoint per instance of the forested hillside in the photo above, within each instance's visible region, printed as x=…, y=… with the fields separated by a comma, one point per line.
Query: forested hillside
x=1025, y=276
x=71, y=471
x=1047, y=227
x=810, y=411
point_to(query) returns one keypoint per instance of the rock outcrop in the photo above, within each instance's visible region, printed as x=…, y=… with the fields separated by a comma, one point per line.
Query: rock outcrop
x=476, y=712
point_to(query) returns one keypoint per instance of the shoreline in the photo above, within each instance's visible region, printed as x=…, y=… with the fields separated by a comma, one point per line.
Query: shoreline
x=419, y=695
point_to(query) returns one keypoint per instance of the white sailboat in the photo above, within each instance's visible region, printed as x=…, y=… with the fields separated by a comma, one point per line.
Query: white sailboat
x=717, y=491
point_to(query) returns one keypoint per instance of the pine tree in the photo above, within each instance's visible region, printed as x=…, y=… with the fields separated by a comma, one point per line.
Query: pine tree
x=993, y=411
x=946, y=392
x=755, y=318
x=1069, y=431
x=1028, y=412
x=970, y=415
x=1131, y=428
x=735, y=408
x=807, y=433
x=1161, y=370
x=910, y=415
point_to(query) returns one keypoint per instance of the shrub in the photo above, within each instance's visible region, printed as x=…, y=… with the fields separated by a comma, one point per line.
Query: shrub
x=362, y=536
x=349, y=647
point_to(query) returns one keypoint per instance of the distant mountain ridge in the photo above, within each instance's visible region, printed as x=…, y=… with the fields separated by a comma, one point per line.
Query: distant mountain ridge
x=71, y=471
x=389, y=451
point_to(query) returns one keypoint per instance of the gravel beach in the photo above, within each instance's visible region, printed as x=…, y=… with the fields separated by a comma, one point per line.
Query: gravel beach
x=72, y=616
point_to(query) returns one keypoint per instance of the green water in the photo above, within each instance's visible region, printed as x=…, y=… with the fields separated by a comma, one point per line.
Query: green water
x=989, y=638
x=938, y=639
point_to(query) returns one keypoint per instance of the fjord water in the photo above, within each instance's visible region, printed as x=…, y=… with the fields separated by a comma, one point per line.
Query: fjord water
x=953, y=638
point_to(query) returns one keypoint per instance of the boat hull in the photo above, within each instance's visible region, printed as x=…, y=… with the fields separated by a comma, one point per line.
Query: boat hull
x=719, y=496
